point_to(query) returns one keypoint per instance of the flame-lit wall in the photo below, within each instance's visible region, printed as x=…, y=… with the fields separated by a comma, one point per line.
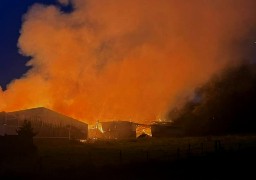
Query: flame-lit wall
x=114, y=130
x=143, y=129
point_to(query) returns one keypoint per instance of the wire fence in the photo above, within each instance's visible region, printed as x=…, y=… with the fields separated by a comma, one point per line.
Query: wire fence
x=100, y=156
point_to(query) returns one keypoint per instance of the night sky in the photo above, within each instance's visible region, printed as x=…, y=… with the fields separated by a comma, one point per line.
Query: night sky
x=13, y=64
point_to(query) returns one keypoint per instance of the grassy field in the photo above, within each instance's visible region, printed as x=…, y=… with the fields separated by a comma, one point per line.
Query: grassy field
x=133, y=159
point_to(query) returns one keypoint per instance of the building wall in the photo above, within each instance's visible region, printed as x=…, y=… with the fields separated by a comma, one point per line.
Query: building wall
x=117, y=130
x=45, y=122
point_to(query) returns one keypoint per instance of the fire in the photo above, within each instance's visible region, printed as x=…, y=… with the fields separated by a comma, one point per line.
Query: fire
x=143, y=129
x=123, y=59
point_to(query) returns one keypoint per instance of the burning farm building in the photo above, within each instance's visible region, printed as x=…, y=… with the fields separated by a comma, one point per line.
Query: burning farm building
x=165, y=129
x=45, y=122
x=143, y=129
x=113, y=130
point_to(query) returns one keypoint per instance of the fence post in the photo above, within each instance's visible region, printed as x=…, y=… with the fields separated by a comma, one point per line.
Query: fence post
x=147, y=155
x=178, y=153
x=216, y=145
x=219, y=146
x=39, y=164
x=120, y=157
x=239, y=146
x=189, y=149
x=89, y=156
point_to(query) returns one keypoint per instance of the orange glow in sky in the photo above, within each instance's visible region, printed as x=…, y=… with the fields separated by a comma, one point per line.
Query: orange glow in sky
x=120, y=59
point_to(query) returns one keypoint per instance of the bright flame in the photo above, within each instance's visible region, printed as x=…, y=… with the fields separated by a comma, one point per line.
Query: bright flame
x=143, y=129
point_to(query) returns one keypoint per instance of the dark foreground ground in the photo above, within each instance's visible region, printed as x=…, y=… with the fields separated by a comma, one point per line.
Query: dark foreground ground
x=229, y=157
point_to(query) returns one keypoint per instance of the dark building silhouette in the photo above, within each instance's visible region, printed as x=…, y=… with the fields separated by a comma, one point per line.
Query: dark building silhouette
x=165, y=129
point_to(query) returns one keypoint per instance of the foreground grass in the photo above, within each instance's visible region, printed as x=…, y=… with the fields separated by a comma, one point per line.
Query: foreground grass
x=136, y=158
x=140, y=150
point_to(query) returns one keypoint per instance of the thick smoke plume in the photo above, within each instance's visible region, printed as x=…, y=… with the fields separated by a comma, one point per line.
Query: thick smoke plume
x=121, y=59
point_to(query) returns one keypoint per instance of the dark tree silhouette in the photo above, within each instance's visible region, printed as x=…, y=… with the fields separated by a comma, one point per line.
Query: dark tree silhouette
x=26, y=130
x=224, y=105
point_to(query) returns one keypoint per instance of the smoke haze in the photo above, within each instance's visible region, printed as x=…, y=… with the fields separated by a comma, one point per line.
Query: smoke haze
x=120, y=59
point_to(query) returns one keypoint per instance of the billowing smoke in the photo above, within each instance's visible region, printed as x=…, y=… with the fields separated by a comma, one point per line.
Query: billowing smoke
x=121, y=59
